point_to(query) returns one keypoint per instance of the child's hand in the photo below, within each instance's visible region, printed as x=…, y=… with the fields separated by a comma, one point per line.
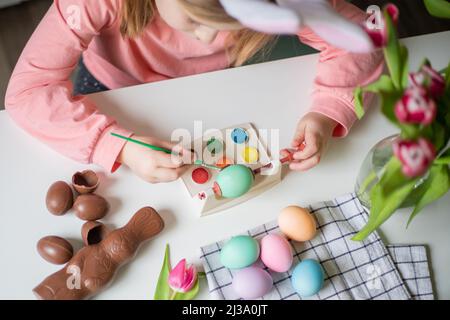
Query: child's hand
x=310, y=140
x=150, y=165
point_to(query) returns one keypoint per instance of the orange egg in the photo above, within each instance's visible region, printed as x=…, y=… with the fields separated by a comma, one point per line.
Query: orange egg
x=297, y=223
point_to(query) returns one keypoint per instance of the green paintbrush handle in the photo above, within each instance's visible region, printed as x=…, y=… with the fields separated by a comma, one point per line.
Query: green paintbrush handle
x=197, y=162
x=142, y=143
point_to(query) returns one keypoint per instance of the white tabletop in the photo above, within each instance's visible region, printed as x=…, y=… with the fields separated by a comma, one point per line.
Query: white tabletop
x=270, y=95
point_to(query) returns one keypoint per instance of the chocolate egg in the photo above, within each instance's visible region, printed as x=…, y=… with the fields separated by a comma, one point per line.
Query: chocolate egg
x=90, y=207
x=94, y=232
x=85, y=182
x=59, y=198
x=55, y=249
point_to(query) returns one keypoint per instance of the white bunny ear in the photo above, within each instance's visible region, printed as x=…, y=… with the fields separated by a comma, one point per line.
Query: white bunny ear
x=330, y=26
x=263, y=16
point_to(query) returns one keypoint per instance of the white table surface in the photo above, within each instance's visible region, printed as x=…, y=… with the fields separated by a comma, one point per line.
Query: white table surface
x=270, y=95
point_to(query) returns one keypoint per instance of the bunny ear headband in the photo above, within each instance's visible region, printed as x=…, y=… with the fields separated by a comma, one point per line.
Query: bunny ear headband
x=288, y=16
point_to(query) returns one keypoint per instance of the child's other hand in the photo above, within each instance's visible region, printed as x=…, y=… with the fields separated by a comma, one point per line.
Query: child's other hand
x=313, y=132
x=150, y=165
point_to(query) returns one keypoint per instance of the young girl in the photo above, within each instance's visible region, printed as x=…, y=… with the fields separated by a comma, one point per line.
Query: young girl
x=130, y=42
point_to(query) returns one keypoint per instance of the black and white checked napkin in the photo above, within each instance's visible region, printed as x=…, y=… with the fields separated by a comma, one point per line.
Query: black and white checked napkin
x=353, y=270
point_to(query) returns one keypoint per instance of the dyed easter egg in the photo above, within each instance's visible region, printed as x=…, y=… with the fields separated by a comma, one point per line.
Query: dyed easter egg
x=252, y=283
x=276, y=253
x=297, y=223
x=239, y=252
x=234, y=181
x=307, y=278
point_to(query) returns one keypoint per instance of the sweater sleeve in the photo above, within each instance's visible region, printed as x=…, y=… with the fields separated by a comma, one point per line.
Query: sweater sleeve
x=339, y=72
x=39, y=95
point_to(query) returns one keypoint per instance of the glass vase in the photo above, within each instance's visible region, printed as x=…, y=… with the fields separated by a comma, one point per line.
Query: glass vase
x=372, y=169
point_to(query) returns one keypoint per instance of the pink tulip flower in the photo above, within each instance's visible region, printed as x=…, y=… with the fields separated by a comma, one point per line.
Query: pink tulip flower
x=415, y=107
x=430, y=79
x=182, y=278
x=380, y=36
x=415, y=156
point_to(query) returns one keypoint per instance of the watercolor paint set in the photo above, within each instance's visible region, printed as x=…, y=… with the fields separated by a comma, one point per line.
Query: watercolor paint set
x=229, y=171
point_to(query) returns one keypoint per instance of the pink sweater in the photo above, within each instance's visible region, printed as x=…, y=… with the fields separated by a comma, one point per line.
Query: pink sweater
x=39, y=96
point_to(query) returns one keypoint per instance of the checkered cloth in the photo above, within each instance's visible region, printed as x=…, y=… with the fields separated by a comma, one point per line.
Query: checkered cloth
x=353, y=270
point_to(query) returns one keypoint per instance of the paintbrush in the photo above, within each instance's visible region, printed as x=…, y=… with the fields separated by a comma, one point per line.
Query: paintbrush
x=156, y=148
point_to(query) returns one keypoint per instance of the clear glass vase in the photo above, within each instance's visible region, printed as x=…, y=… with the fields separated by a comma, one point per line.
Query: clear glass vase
x=372, y=169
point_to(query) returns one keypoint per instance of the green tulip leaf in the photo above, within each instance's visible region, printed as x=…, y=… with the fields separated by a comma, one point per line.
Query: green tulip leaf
x=359, y=108
x=409, y=131
x=386, y=197
x=392, y=52
x=405, y=67
x=371, y=177
x=444, y=159
x=388, y=101
x=438, y=137
x=163, y=290
x=447, y=77
x=435, y=186
x=390, y=205
x=393, y=178
x=438, y=8
x=376, y=194
x=383, y=84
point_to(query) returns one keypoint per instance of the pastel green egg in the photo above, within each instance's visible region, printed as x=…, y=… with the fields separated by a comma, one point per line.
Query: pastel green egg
x=239, y=252
x=235, y=180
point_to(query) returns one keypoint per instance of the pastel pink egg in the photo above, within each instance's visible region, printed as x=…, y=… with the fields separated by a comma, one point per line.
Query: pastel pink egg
x=276, y=253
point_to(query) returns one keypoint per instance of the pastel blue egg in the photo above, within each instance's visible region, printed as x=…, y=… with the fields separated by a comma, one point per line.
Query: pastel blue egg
x=307, y=278
x=239, y=252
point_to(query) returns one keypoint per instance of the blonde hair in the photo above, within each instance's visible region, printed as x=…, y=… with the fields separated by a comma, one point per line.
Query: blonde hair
x=243, y=44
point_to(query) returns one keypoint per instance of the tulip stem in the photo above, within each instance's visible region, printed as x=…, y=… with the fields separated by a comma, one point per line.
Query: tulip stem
x=172, y=296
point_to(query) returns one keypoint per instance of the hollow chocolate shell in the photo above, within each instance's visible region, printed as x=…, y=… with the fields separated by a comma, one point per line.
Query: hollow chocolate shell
x=90, y=207
x=59, y=198
x=85, y=182
x=94, y=232
x=55, y=249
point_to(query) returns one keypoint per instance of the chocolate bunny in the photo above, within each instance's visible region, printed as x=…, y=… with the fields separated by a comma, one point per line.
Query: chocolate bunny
x=289, y=16
x=92, y=268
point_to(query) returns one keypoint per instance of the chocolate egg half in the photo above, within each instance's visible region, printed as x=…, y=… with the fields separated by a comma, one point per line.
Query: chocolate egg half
x=94, y=232
x=85, y=182
x=55, y=249
x=59, y=198
x=90, y=207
